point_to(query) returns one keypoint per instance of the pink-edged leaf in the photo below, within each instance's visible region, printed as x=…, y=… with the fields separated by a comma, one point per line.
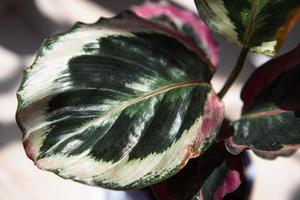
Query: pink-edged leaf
x=208, y=177
x=122, y=103
x=227, y=133
x=270, y=122
x=183, y=20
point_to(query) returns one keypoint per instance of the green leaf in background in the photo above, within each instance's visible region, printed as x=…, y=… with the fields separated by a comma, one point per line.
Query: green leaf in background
x=182, y=20
x=122, y=103
x=208, y=177
x=259, y=25
x=270, y=122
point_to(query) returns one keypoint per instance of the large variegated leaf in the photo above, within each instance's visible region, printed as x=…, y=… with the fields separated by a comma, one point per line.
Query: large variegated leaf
x=208, y=177
x=122, y=103
x=270, y=122
x=183, y=20
x=261, y=26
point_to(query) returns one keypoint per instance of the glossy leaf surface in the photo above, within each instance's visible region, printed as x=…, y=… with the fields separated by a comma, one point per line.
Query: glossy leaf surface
x=208, y=177
x=122, y=103
x=270, y=122
x=261, y=26
x=182, y=20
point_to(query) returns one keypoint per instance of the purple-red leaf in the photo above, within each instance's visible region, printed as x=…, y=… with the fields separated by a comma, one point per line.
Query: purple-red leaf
x=264, y=75
x=183, y=20
x=208, y=177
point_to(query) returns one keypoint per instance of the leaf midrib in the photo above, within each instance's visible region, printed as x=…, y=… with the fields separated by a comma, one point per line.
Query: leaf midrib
x=131, y=102
x=270, y=112
x=154, y=93
x=263, y=114
x=249, y=28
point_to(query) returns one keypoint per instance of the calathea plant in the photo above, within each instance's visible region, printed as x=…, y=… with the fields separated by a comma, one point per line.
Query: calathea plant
x=126, y=102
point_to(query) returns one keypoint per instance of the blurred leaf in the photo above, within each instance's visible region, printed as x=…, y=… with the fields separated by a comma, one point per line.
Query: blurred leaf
x=261, y=26
x=3, y=4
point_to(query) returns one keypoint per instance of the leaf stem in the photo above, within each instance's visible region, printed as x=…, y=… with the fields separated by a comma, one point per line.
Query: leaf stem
x=235, y=72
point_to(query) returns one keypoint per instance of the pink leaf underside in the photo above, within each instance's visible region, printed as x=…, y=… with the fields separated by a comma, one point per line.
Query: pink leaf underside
x=234, y=175
x=231, y=183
